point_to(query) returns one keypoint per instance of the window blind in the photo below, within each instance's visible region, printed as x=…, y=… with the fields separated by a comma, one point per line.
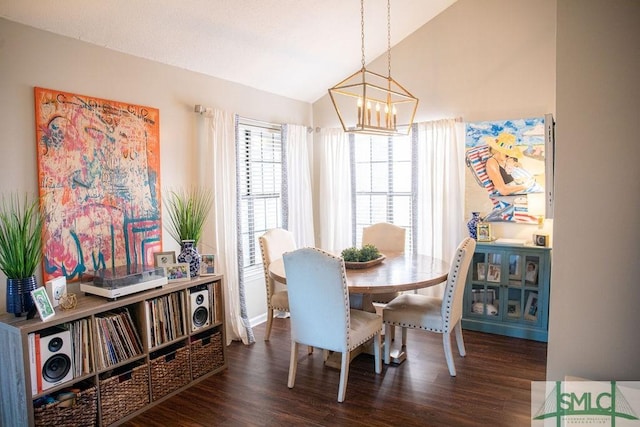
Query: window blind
x=259, y=152
x=383, y=183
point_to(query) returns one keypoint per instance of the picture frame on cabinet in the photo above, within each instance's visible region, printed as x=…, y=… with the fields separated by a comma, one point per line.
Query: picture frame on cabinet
x=43, y=303
x=513, y=308
x=483, y=232
x=515, y=267
x=531, y=309
x=531, y=273
x=177, y=272
x=207, y=265
x=493, y=275
x=481, y=271
x=162, y=259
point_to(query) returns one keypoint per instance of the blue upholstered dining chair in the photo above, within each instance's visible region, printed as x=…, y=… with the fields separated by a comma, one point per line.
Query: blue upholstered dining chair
x=320, y=312
x=440, y=315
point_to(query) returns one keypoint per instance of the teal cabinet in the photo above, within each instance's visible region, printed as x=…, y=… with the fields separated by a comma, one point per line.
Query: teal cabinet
x=507, y=291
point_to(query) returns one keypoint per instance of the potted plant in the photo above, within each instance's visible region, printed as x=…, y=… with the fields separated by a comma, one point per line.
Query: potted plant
x=21, y=225
x=188, y=210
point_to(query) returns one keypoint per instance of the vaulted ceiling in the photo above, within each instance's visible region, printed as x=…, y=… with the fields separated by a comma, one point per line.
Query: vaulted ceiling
x=293, y=48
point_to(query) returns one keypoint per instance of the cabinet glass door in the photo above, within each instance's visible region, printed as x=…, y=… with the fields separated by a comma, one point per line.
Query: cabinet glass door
x=484, y=299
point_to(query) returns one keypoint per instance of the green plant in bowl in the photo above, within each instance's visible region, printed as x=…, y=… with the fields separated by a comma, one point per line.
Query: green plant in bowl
x=365, y=254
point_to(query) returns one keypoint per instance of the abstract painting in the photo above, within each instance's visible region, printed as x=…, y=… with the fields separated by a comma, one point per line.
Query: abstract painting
x=525, y=143
x=99, y=183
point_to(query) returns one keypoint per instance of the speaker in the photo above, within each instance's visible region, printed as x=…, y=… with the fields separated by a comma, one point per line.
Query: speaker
x=55, y=358
x=199, y=307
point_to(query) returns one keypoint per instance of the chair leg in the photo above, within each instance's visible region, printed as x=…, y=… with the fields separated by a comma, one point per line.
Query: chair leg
x=344, y=375
x=377, y=357
x=459, y=340
x=446, y=342
x=267, y=333
x=404, y=338
x=293, y=364
x=387, y=344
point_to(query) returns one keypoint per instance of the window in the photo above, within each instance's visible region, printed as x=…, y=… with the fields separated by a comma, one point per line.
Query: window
x=383, y=183
x=259, y=151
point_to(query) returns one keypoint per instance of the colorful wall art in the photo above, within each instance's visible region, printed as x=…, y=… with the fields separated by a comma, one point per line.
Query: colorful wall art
x=506, y=162
x=99, y=182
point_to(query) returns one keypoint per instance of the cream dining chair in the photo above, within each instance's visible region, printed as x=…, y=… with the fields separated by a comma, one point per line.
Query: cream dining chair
x=387, y=238
x=273, y=244
x=320, y=312
x=440, y=315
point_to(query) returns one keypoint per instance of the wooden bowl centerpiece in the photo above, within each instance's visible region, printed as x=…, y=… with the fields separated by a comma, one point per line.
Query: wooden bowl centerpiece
x=366, y=257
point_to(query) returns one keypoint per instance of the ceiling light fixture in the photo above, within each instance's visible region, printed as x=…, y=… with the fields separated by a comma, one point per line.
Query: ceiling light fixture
x=370, y=103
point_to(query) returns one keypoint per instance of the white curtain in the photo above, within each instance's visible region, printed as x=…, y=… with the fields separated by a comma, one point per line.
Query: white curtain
x=334, y=190
x=299, y=190
x=217, y=170
x=440, y=198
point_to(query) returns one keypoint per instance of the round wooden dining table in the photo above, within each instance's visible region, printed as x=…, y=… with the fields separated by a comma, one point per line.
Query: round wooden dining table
x=397, y=272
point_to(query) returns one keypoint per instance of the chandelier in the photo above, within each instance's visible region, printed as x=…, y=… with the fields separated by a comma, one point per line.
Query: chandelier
x=370, y=103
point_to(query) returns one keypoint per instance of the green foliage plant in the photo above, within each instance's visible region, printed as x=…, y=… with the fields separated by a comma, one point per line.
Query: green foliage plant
x=188, y=210
x=21, y=224
x=366, y=253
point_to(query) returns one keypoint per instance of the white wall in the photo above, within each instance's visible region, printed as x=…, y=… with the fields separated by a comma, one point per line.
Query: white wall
x=30, y=57
x=595, y=292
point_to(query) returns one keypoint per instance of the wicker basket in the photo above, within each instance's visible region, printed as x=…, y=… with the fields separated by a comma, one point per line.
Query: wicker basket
x=169, y=372
x=82, y=413
x=206, y=355
x=122, y=394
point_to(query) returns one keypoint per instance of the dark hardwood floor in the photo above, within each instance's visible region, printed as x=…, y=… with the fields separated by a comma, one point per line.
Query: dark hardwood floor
x=492, y=387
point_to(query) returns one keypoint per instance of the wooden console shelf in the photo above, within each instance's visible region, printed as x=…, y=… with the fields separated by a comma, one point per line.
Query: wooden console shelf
x=124, y=356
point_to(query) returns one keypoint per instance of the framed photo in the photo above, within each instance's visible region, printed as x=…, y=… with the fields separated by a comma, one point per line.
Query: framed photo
x=531, y=309
x=481, y=271
x=207, y=265
x=177, y=272
x=43, y=303
x=493, y=274
x=515, y=267
x=513, y=308
x=531, y=272
x=162, y=259
x=483, y=232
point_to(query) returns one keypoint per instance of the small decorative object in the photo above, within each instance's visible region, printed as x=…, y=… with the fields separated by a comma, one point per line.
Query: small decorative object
x=484, y=232
x=21, y=225
x=188, y=211
x=68, y=301
x=56, y=288
x=178, y=272
x=161, y=259
x=43, y=304
x=541, y=239
x=207, y=265
x=366, y=257
x=472, y=225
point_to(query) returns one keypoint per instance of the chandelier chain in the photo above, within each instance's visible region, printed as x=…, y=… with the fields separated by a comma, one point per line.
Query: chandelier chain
x=362, y=29
x=389, y=37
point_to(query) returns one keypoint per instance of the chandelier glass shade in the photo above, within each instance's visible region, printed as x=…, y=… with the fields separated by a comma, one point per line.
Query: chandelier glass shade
x=371, y=103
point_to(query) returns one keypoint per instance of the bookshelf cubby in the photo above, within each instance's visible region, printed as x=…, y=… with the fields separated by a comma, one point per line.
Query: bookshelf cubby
x=126, y=355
